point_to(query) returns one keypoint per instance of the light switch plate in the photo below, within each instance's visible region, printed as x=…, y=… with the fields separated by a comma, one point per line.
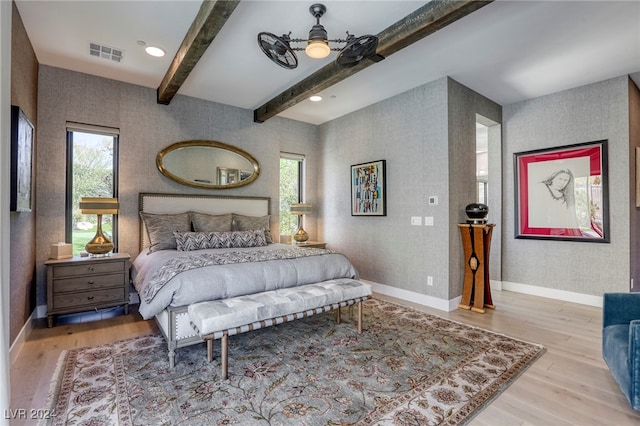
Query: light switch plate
x=416, y=220
x=428, y=221
x=433, y=200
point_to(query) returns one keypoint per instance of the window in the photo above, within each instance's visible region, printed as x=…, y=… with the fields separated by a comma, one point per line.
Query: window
x=291, y=184
x=482, y=162
x=92, y=171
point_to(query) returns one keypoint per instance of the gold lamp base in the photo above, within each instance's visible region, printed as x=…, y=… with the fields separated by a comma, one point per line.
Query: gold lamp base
x=100, y=245
x=301, y=236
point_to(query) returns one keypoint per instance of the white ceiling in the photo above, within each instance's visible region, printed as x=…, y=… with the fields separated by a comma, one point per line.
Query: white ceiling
x=508, y=51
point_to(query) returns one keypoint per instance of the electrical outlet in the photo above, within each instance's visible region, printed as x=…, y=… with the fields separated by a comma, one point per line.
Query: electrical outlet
x=428, y=221
x=416, y=220
x=429, y=280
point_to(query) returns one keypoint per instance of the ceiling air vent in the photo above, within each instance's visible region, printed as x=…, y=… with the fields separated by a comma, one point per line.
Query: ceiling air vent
x=106, y=52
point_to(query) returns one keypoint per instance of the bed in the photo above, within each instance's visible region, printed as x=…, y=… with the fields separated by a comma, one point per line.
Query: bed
x=196, y=248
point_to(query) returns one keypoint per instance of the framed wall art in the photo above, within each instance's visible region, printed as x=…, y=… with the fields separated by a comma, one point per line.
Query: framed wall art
x=368, y=192
x=22, y=133
x=562, y=193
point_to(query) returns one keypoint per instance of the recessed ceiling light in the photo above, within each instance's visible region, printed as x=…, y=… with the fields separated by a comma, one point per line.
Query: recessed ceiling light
x=315, y=98
x=154, y=51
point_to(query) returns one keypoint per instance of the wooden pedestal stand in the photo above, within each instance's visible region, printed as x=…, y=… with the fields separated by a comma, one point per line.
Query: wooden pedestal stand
x=476, y=241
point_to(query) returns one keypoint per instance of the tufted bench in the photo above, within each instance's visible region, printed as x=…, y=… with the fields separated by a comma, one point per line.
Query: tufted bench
x=219, y=319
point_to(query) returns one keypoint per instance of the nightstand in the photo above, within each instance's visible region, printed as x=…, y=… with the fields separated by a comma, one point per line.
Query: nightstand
x=85, y=283
x=310, y=244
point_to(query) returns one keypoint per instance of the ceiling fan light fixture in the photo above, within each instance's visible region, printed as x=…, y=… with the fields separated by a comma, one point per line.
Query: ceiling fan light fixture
x=317, y=49
x=280, y=51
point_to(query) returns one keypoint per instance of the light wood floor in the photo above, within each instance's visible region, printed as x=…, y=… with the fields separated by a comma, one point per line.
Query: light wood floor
x=569, y=385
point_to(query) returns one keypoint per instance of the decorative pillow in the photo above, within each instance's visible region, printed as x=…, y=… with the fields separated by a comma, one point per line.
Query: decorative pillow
x=203, y=222
x=188, y=241
x=248, y=223
x=160, y=229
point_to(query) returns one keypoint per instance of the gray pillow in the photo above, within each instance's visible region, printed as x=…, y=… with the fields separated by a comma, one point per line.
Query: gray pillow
x=250, y=223
x=160, y=229
x=203, y=222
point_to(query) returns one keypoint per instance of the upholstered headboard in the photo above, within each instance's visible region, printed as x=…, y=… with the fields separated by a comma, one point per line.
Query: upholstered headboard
x=212, y=204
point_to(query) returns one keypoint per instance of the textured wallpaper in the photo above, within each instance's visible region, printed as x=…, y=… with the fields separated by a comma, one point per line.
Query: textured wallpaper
x=146, y=128
x=590, y=113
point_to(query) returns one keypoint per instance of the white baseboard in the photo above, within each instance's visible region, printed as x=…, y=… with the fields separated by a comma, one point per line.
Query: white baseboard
x=41, y=311
x=18, y=343
x=412, y=296
x=451, y=305
x=551, y=293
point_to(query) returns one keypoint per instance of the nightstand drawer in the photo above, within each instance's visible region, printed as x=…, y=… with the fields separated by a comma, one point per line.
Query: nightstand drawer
x=86, y=269
x=88, y=282
x=90, y=298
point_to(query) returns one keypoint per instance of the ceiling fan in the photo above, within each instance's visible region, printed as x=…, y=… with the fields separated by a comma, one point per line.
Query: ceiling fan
x=357, y=49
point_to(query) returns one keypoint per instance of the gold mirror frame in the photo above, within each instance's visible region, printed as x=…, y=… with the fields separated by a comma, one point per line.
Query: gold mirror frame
x=212, y=144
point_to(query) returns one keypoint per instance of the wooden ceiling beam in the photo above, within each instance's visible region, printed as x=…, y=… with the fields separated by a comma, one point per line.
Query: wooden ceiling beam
x=205, y=27
x=426, y=20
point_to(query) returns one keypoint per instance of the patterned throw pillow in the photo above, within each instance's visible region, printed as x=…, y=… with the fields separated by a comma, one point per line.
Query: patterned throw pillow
x=203, y=222
x=160, y=228
x=248, y=223
x=189, y=241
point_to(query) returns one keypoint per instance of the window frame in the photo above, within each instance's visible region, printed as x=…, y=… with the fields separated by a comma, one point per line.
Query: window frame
x=97, y=130
x=300, y=158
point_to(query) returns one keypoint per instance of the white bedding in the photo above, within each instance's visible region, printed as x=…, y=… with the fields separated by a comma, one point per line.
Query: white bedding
x=229, y=280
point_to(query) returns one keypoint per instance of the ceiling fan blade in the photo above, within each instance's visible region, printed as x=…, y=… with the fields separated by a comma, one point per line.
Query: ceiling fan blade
x=278, y=50
x=357, y=50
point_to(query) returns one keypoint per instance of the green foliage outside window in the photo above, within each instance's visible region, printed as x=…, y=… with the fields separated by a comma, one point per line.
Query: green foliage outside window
x=289, y=194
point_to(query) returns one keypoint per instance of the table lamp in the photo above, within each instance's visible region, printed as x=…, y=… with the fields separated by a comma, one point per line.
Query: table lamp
x=300, y=209
x=100, y=244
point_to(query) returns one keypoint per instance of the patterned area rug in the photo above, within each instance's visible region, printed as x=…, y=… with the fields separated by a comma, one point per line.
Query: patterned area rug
x=407, y=368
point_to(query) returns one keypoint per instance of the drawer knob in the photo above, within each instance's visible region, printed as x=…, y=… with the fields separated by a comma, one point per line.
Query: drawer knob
x=90, y=282
x=90, y=298
x=91, y=268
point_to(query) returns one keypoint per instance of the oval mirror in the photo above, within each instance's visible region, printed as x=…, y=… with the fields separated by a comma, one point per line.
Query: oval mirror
x=207, y=164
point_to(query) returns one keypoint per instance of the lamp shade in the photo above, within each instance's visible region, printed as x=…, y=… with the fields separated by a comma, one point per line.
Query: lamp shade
x=99, y=205
x=300, y=208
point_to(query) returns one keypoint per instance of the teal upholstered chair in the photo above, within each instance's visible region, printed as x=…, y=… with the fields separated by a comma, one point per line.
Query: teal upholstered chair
x=621, y=342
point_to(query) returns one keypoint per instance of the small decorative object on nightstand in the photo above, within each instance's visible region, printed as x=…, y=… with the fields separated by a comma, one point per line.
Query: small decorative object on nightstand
x=84, y=283
x=311, y=244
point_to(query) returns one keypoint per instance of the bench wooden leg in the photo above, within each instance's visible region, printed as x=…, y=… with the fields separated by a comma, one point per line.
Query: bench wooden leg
x=360, y=317
x=224, y=356
x=338, y=316
x=209, y=350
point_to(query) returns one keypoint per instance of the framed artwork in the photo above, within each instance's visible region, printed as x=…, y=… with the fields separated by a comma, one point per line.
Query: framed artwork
x=562, y=193
x=227, y=176
x=368, y=192
x=22, y=133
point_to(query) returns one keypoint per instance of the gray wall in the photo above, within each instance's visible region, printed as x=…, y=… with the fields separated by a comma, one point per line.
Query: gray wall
x=427, y=137
x=24, y=93
x=634, y=142
x=464, y=104
x=590, y=113
x=146, y=128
